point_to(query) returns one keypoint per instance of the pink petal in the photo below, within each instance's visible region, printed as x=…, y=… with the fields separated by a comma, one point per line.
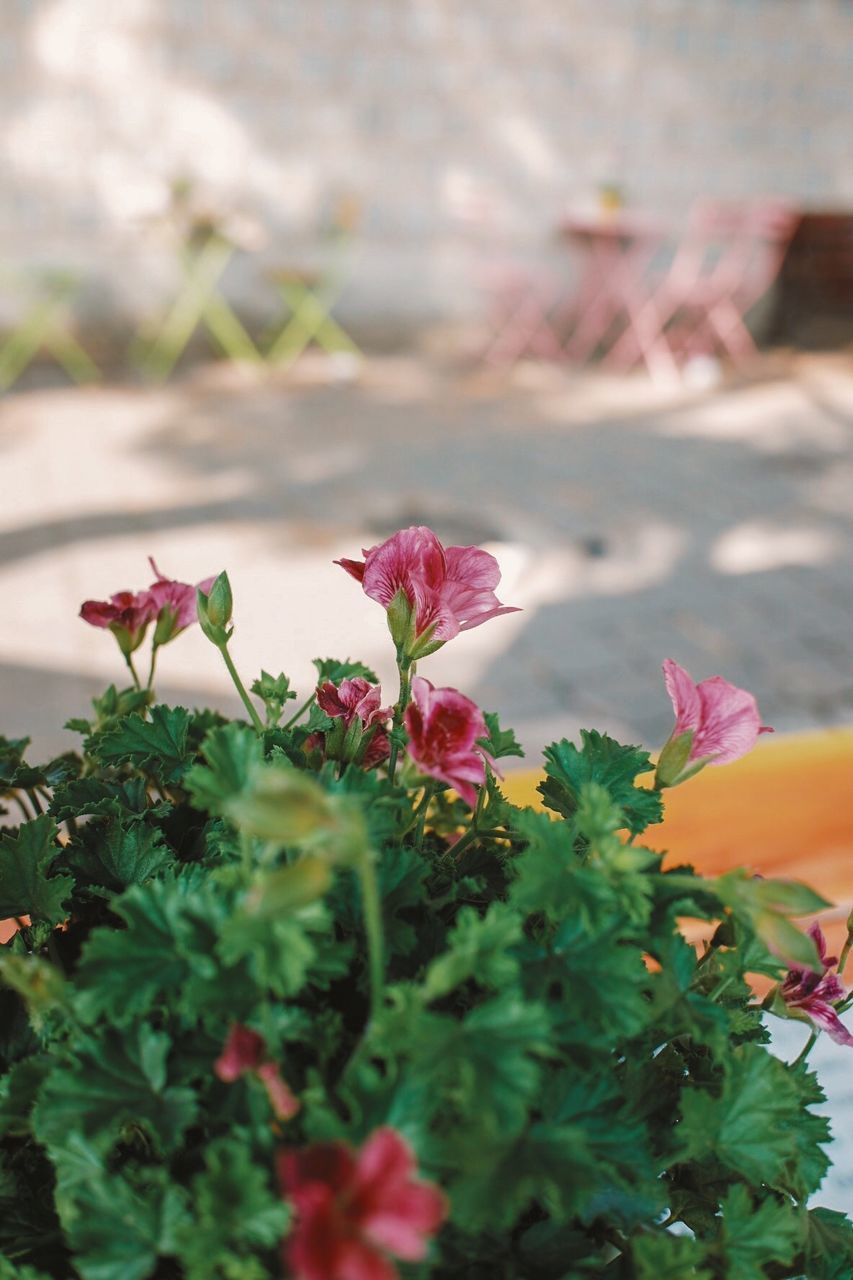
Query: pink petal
x=825, y=1017
x=282, y=1100
x=417, y=1214
x=243, y=1051
x=684, y=696
x=730, y=722
x=355, y=568
x=414, y=553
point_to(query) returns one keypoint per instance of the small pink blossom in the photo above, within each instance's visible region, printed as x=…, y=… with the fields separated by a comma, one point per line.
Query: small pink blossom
x=127, y=614
x=443, y=727
x=357, y=1211
x=815, y=994
x=357, y=705
x=724, y=719
x=245, y=1053
x=448, y=589
x=173, y=604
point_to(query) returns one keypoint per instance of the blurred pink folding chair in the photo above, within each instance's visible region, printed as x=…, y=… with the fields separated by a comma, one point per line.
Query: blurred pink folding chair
x=729, y=257
x=520, y=296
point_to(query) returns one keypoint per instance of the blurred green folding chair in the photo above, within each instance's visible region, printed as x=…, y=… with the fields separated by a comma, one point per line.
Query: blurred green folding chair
x=199, y=303
x=46, y=325
x=309, y=299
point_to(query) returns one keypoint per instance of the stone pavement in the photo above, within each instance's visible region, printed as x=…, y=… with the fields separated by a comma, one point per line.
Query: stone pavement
x=631, y=522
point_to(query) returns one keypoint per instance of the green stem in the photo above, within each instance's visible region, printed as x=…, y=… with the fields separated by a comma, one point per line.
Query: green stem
x=845, y=952
x=246, y=852
x=718, y=991
x=241, y=688
x=19, y=801
x=297, y=714
x=421, y=813
x=34, y=801
x=373, y=929
x=805, y=1051
x=473, y=831
x=129, y=660
x=151, y=668
x=407, y=670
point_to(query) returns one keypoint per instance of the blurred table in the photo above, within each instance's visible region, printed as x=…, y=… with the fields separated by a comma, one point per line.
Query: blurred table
x=616, y=292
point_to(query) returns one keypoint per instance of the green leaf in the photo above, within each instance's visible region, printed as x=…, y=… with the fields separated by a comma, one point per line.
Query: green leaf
x=115, y=1081
x=336, y=671
x=231, y=752
x=117, y=1227
x=97, y=797
x=754, y=1235
x=157, y=746
x=669, y=1257
x=121, y=856
x=758, y=1126
x=829, y=1245
x=234, y=1210
x=25, y=859
x=608, y=763
x=479, y=947
x=500, y=742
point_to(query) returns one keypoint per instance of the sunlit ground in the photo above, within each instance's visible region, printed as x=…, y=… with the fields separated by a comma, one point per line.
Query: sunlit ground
x=632, y=522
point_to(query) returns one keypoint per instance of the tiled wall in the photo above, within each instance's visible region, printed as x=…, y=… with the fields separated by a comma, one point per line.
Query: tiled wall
x=421, y=111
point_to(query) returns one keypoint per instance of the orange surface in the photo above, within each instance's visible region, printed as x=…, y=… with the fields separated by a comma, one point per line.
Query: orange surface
x=784, y=810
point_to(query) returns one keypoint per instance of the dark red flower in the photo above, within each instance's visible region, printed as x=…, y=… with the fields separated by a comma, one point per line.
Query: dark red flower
x=815, y=994
x=127, y=614
x=361, y=735
x=443, y=727
x=356, y=1211
x=245, y=1052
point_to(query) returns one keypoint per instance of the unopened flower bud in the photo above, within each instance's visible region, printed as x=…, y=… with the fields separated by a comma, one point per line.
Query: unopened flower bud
x=220, y=602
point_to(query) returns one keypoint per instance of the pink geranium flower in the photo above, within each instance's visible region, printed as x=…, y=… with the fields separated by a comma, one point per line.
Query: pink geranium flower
x=245, y=1053
x=443, y=727
x=173, y=604
x=815, y=994
x=356, y=1211
x=446, y=589
x=127, y=614
x=357, y=705
x=723, y=719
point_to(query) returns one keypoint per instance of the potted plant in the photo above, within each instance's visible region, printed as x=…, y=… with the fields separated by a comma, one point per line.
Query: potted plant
x=303, y=994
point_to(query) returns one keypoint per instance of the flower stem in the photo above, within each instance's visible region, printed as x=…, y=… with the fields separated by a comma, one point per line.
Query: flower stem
x=298, y=714
x=151, y=668
x=241, y=688
x=805, y=1051
x=407, y=670
x=129, y=660
x=845, y=952
x=373, y=929
x=474, y=830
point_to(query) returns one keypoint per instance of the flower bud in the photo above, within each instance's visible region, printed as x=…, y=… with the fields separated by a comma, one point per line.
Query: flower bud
x=673, y=759
x=215, y=633
x=220, y=602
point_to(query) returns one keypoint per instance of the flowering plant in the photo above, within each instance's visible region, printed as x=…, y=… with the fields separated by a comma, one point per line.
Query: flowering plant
x=306, y=996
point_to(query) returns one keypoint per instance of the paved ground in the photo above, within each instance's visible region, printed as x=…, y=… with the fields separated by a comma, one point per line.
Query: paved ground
x=632, y=523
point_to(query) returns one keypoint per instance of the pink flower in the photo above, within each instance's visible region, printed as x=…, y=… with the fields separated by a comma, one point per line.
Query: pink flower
x=447, y=589
x=443, y=727
x=724, y=719
x=356, y=1211
x=127, y=614
x=245, y=1052
x=816, y=993
x=360, y=735
x=173, y=604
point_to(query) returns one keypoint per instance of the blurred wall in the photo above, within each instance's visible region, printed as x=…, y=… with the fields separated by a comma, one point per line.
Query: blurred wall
x=425, y=116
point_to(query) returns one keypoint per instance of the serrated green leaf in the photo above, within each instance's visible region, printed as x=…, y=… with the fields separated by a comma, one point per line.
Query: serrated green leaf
x=829, y=1245
x=612, y=766
x=113, y=1082
x=26, y=888
x=335, y=670
x=500, y=742
x=97, y=797
x=230, y=752
x=157, y=745
x=117, y=1228
x=479, y=947
x=120, y=856
x=754, y=1235
x=669, y=1257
